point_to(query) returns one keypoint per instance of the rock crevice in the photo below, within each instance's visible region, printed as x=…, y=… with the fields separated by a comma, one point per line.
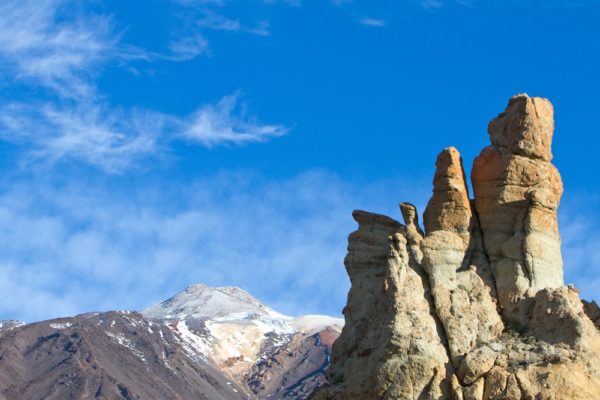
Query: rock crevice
x=474, y=306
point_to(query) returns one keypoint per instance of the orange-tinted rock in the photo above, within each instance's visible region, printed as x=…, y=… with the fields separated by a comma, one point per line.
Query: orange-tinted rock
x=449, y=208
x=517, y=193
x=524, y=128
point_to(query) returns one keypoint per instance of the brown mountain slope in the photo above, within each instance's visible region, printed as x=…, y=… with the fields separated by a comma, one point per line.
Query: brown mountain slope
x=104, y=356
x=203, y=343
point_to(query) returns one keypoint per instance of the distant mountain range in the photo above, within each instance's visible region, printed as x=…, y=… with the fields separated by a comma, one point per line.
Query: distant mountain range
x=203, y=343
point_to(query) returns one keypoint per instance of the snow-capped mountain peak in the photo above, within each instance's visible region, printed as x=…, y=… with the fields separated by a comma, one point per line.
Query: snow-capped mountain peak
x=231, y=328
x=202, y=301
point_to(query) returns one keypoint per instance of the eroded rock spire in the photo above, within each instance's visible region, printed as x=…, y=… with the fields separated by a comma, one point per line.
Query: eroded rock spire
x=474, y=307
x=517, y=193
x=461, y=284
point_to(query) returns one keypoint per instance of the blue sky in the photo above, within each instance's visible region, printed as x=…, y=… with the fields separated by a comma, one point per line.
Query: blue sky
x=146, y=146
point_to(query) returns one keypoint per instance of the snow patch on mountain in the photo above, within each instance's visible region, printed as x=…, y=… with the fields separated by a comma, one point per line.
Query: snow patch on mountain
x=10, y=323
x=195, y=346
x=63, y=325
x=124, y=341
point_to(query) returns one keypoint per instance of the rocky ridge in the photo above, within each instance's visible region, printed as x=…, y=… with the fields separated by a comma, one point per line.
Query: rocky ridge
x=473, y=307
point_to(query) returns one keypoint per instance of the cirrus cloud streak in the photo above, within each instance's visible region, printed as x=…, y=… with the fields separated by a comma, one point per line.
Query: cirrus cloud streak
x=58, y=56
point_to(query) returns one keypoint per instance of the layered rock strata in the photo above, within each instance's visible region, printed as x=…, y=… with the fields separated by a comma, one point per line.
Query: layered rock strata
x=474, y=307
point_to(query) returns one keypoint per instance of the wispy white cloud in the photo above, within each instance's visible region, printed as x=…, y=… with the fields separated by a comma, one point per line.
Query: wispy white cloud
x=59, y=56
x=219, y=22
x=110, y=139
x=202, y=15
x=581, y=253
x=115, y=139
x=186, y=48
x=219, y=123
x=70, y=245
x=373, y=22
x=43, y=47
x=213, y=20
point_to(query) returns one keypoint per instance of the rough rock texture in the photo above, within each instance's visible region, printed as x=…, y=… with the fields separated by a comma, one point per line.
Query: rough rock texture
x=517, y=193
x=475, y=307
x=295, y=369
x=593, y=311
x=407, y=343
x=458, y=270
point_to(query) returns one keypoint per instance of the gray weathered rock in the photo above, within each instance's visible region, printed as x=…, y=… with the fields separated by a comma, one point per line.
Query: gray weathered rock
x=400, y=353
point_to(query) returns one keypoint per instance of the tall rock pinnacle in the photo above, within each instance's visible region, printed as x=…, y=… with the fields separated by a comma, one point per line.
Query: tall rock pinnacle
x=474, y=307
x=452, y=258
x=449, y=208
x=517, y=193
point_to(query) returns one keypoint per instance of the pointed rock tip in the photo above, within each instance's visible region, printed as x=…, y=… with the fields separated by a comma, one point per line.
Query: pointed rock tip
x=449, y=172
x=406, y=206
x=450, y=150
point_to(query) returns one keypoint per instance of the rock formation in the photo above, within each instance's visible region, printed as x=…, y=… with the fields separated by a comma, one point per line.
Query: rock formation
x=517, y=193
x=475, y=306
x=404, y=343
x=453, y=257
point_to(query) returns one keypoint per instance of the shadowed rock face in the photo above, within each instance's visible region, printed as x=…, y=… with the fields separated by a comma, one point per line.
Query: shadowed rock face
x=475, y=307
